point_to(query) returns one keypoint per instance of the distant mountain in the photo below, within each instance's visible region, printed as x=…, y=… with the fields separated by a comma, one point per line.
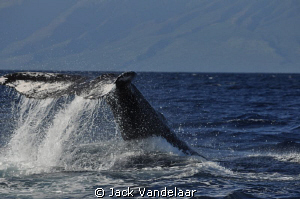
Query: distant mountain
x=152, y=35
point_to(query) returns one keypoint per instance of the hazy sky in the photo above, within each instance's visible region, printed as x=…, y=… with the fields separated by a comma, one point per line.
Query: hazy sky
x=152, y=35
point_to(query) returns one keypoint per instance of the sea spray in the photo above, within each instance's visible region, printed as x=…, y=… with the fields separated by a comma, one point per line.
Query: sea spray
x=31, y=116
x=66, y=122
x=48, y=129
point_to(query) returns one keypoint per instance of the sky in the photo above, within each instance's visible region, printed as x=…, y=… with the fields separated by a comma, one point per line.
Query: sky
x=155, y=35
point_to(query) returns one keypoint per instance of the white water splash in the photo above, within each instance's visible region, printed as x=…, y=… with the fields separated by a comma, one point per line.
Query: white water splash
x=66, y=122
x=31, y=115
x=45, y=129
x=73, y=134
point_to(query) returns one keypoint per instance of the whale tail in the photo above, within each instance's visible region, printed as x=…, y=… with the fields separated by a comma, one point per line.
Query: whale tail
x=134, y=115
x=41, y=85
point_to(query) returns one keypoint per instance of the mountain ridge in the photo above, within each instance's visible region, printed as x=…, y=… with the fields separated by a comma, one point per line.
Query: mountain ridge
x=195, y=36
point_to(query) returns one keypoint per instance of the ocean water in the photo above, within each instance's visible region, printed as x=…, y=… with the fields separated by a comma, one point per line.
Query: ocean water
x=246, y=125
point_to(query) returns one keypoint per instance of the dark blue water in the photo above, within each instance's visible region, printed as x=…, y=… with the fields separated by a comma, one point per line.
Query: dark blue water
x=247, y=125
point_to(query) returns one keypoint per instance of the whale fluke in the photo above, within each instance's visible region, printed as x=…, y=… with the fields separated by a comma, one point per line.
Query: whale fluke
x=134, y=115
x=42, y=85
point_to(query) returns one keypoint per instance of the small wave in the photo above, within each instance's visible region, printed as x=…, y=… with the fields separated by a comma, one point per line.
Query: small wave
x=247, y=120
x=267, y=165
x=288, y=157
x=254, y=120
x=296, y=128
x=262, y=104
x=239, y=194
x=282, y=147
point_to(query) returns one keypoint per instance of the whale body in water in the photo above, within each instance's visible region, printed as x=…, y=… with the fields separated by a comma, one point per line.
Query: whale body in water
x=134, y=115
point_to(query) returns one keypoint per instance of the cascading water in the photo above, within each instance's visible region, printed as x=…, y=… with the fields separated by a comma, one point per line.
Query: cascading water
x=46, y=130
